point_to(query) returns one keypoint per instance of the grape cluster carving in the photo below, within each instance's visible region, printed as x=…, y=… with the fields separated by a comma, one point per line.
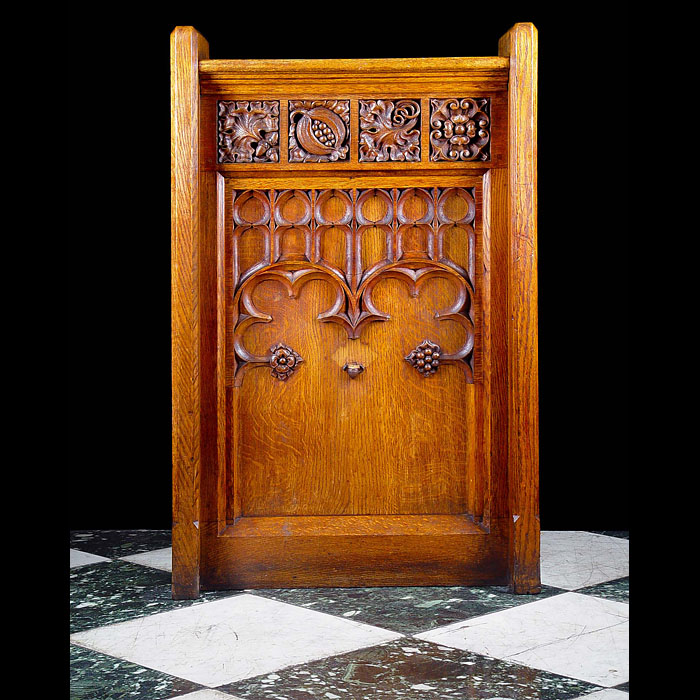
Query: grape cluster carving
x=425, y=358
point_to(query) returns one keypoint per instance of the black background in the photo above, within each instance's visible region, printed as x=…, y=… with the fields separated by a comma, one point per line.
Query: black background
x=116, y=103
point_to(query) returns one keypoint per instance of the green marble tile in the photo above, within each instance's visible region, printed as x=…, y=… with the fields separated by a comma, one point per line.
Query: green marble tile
x=619, y=590
x=119, y=543
x=409, y=669
x=95, y=676
x=406, y=609
x=106, y=593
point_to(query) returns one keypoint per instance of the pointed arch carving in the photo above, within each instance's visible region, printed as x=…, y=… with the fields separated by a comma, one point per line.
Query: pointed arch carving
x=352, y=213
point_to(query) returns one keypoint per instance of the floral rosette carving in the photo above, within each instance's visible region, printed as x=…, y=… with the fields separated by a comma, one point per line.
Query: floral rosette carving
x=425, y=358
x=459, y=129
x=319, y=130
x=387, y=130
x=284, y=361
x=248, y=132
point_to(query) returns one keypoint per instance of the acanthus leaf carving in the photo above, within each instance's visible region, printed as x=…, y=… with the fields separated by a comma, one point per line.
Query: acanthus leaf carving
x=248, y=131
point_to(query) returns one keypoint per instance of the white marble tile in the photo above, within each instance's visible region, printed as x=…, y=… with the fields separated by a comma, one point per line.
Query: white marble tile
x=571, y=634
x=157, y=559
x=231, y=639
x=576, y=559
x=607, y=694
x=207, y=695
x=78, y=558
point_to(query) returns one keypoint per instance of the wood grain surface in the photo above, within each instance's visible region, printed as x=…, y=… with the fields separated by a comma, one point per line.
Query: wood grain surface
x=520, y=45
x=186, y=49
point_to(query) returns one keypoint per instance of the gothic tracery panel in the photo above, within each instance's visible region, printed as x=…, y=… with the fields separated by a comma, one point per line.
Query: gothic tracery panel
x=352, y=239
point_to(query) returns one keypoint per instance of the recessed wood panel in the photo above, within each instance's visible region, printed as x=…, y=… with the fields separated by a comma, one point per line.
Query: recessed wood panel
x=324, y=441
x=386, y=442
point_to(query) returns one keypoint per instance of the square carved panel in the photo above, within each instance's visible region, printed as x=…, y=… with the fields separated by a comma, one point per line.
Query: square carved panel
x=319, y=131
x=460, y=129
x=249, y=131
x=389, y=130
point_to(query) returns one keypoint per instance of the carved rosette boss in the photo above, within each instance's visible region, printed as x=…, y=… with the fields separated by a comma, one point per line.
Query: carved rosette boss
x=284, y=361
x=319, y=130
x=248, y=131
x=459, y=129
x=387, y=130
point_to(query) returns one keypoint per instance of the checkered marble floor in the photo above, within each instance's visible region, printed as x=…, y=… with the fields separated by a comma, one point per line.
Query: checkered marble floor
x=129, y=639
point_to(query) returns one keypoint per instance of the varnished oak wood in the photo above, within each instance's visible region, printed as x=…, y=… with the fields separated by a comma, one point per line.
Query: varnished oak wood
x=187, y=47
x=288, y=469
x=520, y=45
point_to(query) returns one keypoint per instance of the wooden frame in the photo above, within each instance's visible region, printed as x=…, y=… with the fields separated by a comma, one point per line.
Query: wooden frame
x=509, y=191
x=520, y=45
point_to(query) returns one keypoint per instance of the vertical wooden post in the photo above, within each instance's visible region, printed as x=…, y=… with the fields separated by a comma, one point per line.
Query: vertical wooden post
x=187, y=47
x=520, y=45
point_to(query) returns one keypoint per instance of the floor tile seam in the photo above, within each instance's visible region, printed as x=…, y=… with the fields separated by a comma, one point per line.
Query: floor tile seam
x=512, y=657
x=469, y=619
x=123, y=623
x=140, y=563
x=600, y=596
x=575, y=635
x=571, y=568
x=153, y=614
x=492, y=612
x=321, y=612
x=522, y=664
x=287, y=667
x=83, y=551
x=337, y=617
x=405, y=634
x=90, y=563
x=141, y=666
x=302, y=664
x=582, y=592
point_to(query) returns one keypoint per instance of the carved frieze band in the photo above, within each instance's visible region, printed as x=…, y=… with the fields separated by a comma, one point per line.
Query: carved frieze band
x=389, y=130
x=427, y=233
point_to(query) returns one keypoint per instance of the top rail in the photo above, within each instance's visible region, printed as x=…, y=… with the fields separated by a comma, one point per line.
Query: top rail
x=343, y=67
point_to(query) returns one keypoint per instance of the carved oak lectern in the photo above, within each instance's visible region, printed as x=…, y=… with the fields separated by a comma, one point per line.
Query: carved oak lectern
x=354, y=320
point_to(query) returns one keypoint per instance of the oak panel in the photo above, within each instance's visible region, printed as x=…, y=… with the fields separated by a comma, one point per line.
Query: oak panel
x=354, y=353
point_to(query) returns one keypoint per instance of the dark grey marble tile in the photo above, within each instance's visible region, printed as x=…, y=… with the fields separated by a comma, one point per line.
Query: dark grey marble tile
x=409, y=669
x=623, y=686
x=119, y=543
x=406, y=609
x=95, y=676
x=619, y=590
x=103, y=594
